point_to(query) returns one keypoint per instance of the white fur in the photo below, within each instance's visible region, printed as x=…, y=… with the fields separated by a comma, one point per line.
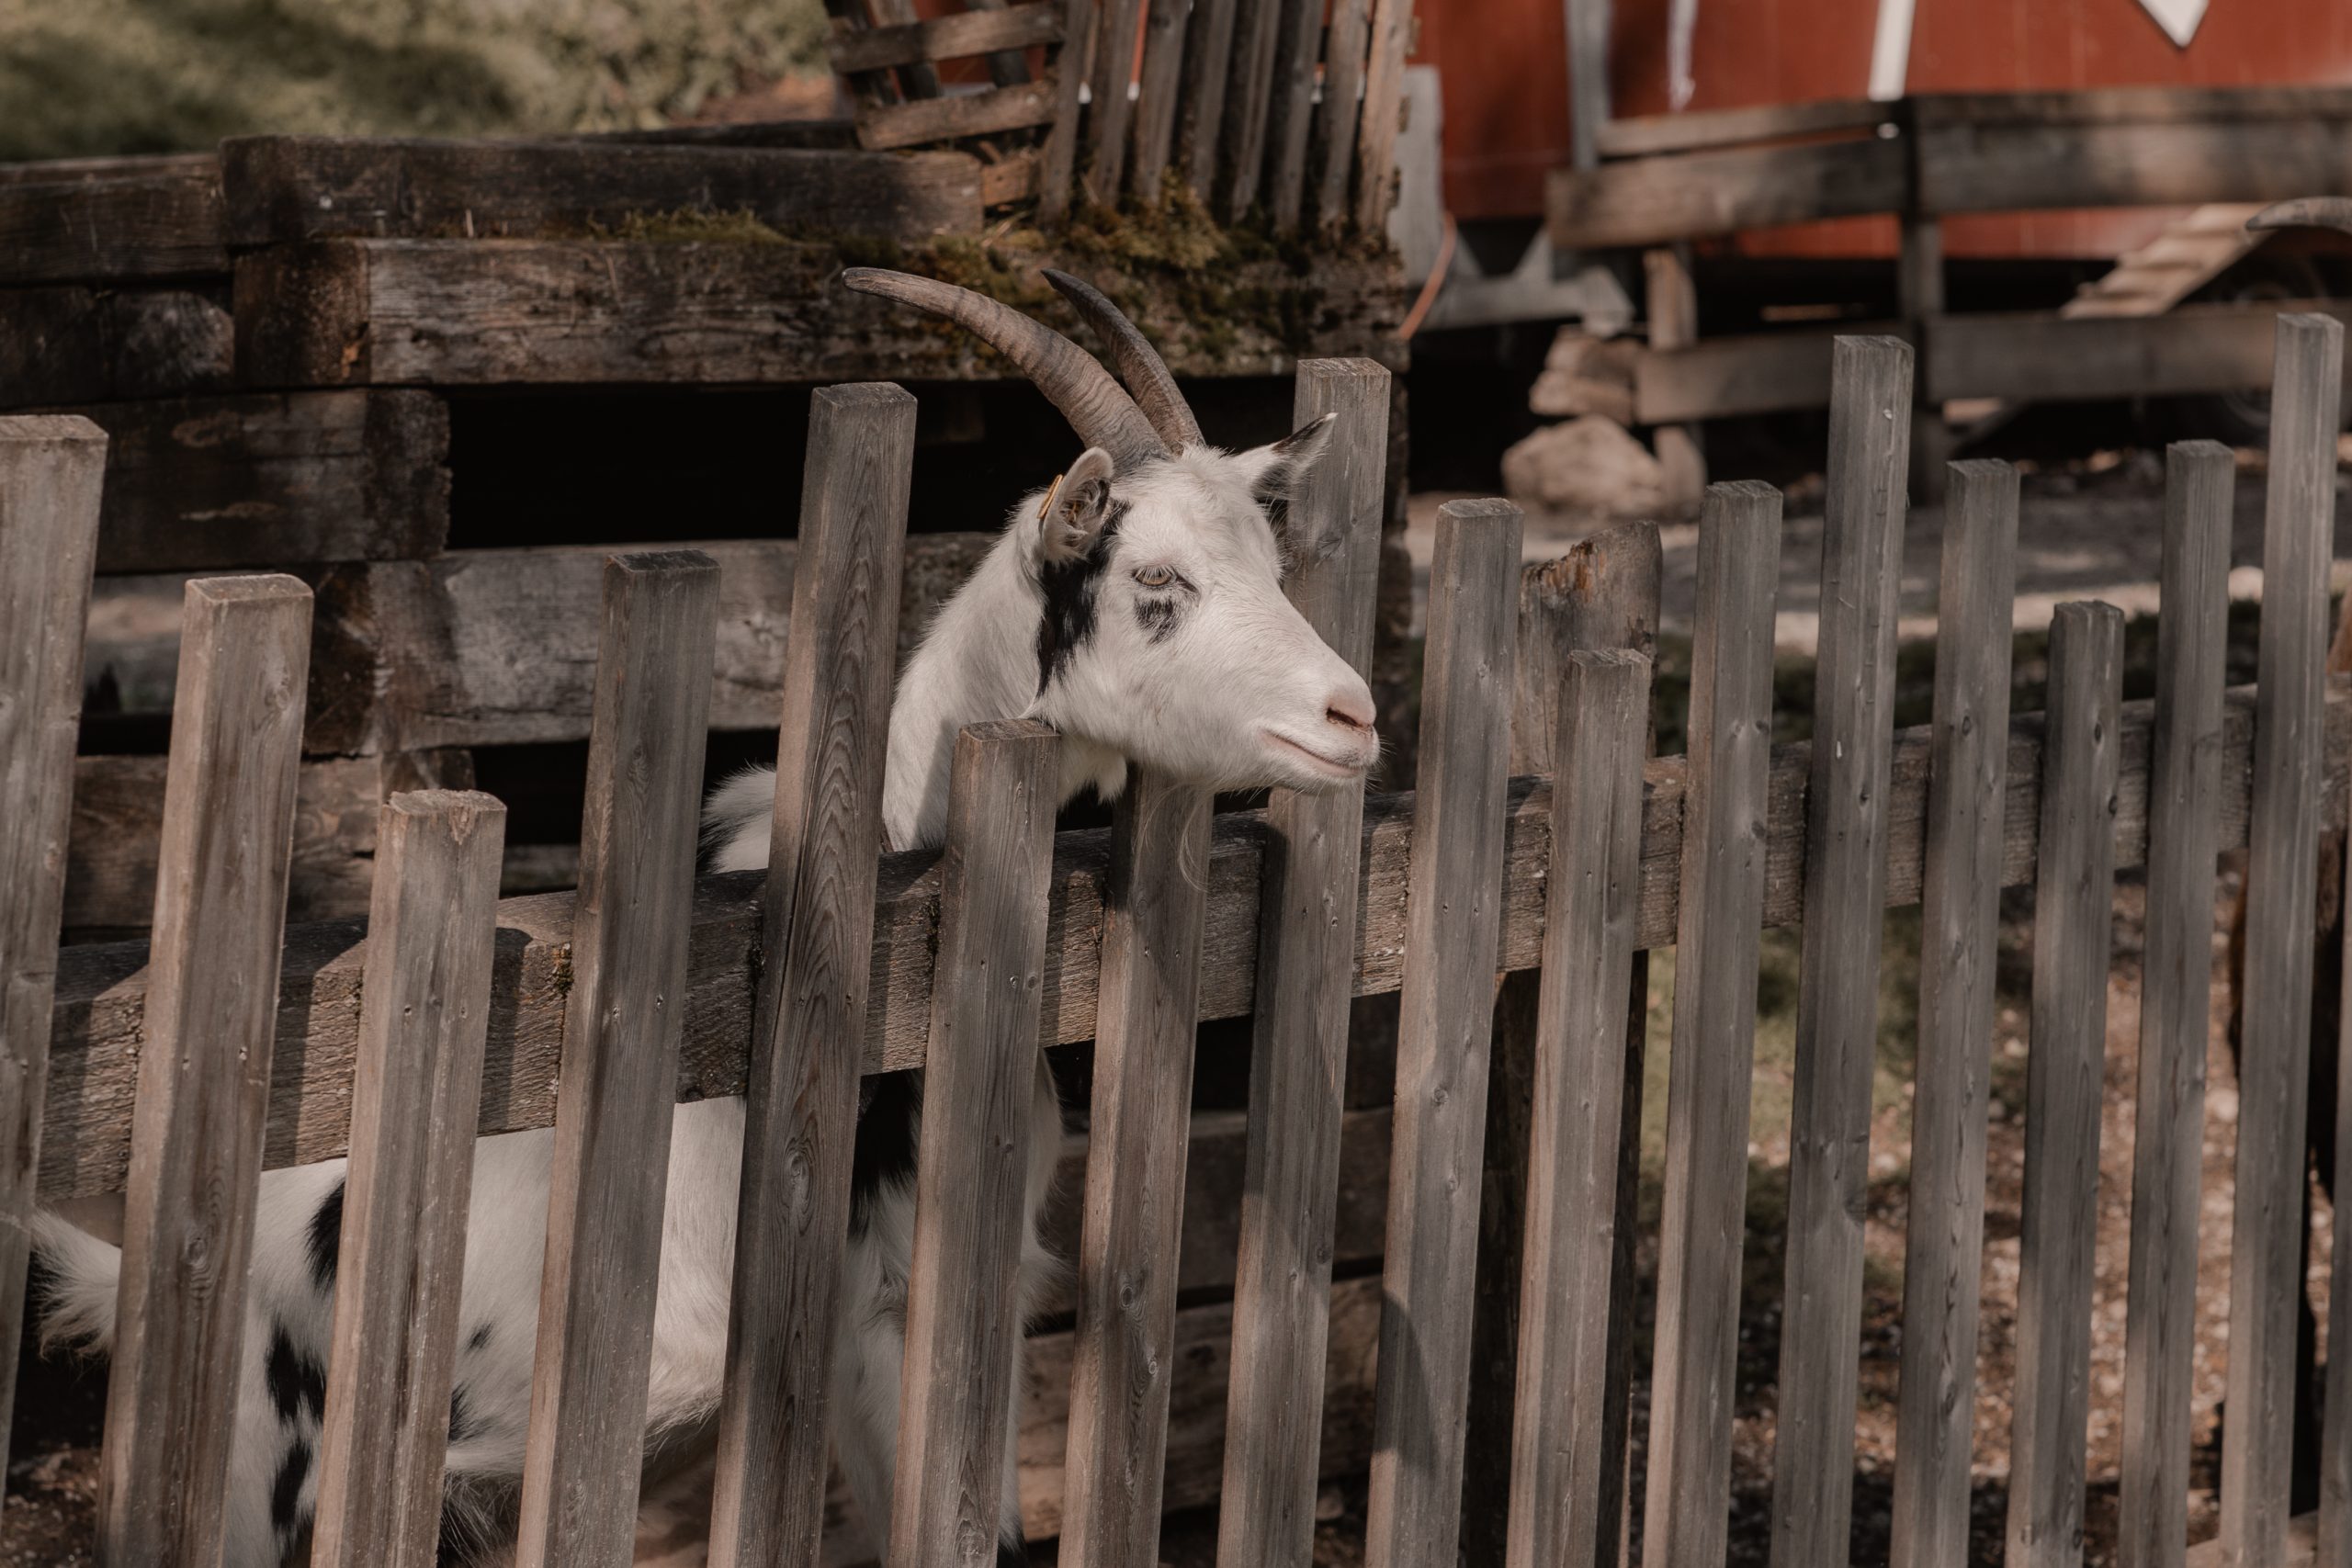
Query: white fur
x=1236, y=690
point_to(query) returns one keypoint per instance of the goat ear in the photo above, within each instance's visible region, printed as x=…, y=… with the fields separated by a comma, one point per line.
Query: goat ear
x=1274, y=470
x=1074, y=508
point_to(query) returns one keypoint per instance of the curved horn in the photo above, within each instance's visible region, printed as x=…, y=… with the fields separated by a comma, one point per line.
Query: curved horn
x=2310, y=211
x=1137, y=363
x=1097, y=407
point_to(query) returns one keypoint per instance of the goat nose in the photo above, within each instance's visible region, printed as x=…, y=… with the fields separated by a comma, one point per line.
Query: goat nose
x=1352, y=709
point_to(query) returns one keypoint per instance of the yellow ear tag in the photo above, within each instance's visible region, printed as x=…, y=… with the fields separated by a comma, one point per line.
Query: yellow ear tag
x=1046, y=509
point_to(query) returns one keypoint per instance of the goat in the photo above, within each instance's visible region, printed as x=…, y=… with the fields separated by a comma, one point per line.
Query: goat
x=1136, y=606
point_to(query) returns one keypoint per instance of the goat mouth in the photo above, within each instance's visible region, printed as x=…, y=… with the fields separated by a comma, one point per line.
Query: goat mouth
x=1328, y=767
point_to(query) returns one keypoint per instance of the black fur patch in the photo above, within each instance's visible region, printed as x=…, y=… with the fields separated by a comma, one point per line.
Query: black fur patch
x=885, y=1144
x=297, y=1382
x=1012, y=1554
x=285, y=1491
x=1159, y=617
x=462, y=1427
x=326, y=1240
x=1070, y=588
x=479, y=1338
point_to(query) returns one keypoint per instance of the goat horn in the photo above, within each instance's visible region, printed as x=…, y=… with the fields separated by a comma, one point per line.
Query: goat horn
x=1137, y=363
x=2310, y=211
x=1097, y=407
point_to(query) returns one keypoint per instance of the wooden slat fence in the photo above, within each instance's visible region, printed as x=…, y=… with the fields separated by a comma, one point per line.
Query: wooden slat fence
x=1571, y=873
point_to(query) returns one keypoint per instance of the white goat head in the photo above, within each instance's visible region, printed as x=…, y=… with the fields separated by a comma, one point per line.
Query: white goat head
x=1155, y=568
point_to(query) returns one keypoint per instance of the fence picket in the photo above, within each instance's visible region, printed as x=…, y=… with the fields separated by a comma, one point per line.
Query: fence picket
x=1335, y=116
x=1152, y=910
x=1110, y=113
x=1200, y=115
x=1298, y=48
x=1959, y=931
x=50, y=469
x=614, y=1099
x=2072, y=938
x=416, y=1094
x=1453, y=938
x=809, y=1026
x=1715, y=1028
x=1562, y=1496
x=972, y=1178
x=1382, y=115
x=1250, y=98
x=2266, y=1250
x=1845, y=899
x=1299, y=1049
x=2177, y=972
x=204, y=1078
x=1164, y=43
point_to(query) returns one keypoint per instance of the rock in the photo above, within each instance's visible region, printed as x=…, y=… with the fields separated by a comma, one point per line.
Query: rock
x=1589, y=466
x=1583, y=375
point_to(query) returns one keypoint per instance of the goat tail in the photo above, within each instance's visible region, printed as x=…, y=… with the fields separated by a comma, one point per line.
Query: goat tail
x=78, y=1298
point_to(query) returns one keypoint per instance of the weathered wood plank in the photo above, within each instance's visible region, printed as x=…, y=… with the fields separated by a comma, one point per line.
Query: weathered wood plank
x=964, y=1326
x=1452, y=929
x=1588, y=94
x=1719, y=377
x=112, y=220
x=1249, y=99
x=1566, y=1457
x=1208, y=63
x=1299, y=1047
x=493, y=313
x=73, y=345
x=1383, y=119
x=414, y=1098
x=1111, y=112
x=1164, y=41
x=2103, y=105
x=1146, y=1019
x=1968, y=794
x=612, y=1125
x=281, y=189
x=954, y=36
x=1723, y=879
x=1999, y=168
x=102, y=989
x=2265, y=1246
x=1298, y=49
x=1334, y=143
x=1688, y=195
x=51, y=471
x=1845, y=910
x=2197, y=348
x=118, y=828
x=255, y=480
x=203, y=1082
x=2072, y=936
x=814, y=963
x=1057, y=160
x=1646, y=135
x=919, y=120
x=2175, y=1006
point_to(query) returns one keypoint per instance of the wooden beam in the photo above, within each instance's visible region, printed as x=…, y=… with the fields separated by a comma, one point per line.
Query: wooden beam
x=102, y=989
x=73, y=344
x=2199, y=349
x=1688, y=195
x=919, y=120
x=1648, y=135
x=494, y=312
x=282, y=190
x=2108, y=105
x=952, y=36
x=111, y=220
x=1757, y=373
x=2001, y=168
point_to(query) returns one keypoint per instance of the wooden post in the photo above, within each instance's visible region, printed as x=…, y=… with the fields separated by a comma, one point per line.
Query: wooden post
x=1674, y=323
x=2073, y=936
x=416, y=1100
x=1121, y=1359
x=1106, y=124
x=1587, y=80
x=619, y=1083
x=1452, y=932
x=2175, y=1001
x=816, y=943
x=1715, y=1028
x=1568, y=1458
x=1299, y=1049
x=2266, y=1250
x=1920, y=283
x=1845, y=911
x=1604, y=594
x=204, y=1077
x=51, y=472
x=971, y=1192
x=1959, y=937
x=1383, y=114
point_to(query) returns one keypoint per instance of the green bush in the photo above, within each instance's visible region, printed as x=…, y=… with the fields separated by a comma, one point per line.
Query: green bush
x=89, y=77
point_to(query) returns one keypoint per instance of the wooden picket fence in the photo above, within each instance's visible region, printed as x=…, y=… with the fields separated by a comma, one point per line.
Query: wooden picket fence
x=1569, y=869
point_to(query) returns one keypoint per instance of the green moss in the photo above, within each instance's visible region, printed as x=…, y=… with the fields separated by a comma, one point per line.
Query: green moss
x=688, y=225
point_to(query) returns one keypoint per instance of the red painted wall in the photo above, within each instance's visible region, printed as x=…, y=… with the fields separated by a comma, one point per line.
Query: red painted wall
x=1505, y=72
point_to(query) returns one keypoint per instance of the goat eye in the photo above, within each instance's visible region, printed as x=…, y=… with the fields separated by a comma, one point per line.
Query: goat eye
x=1156, y=576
